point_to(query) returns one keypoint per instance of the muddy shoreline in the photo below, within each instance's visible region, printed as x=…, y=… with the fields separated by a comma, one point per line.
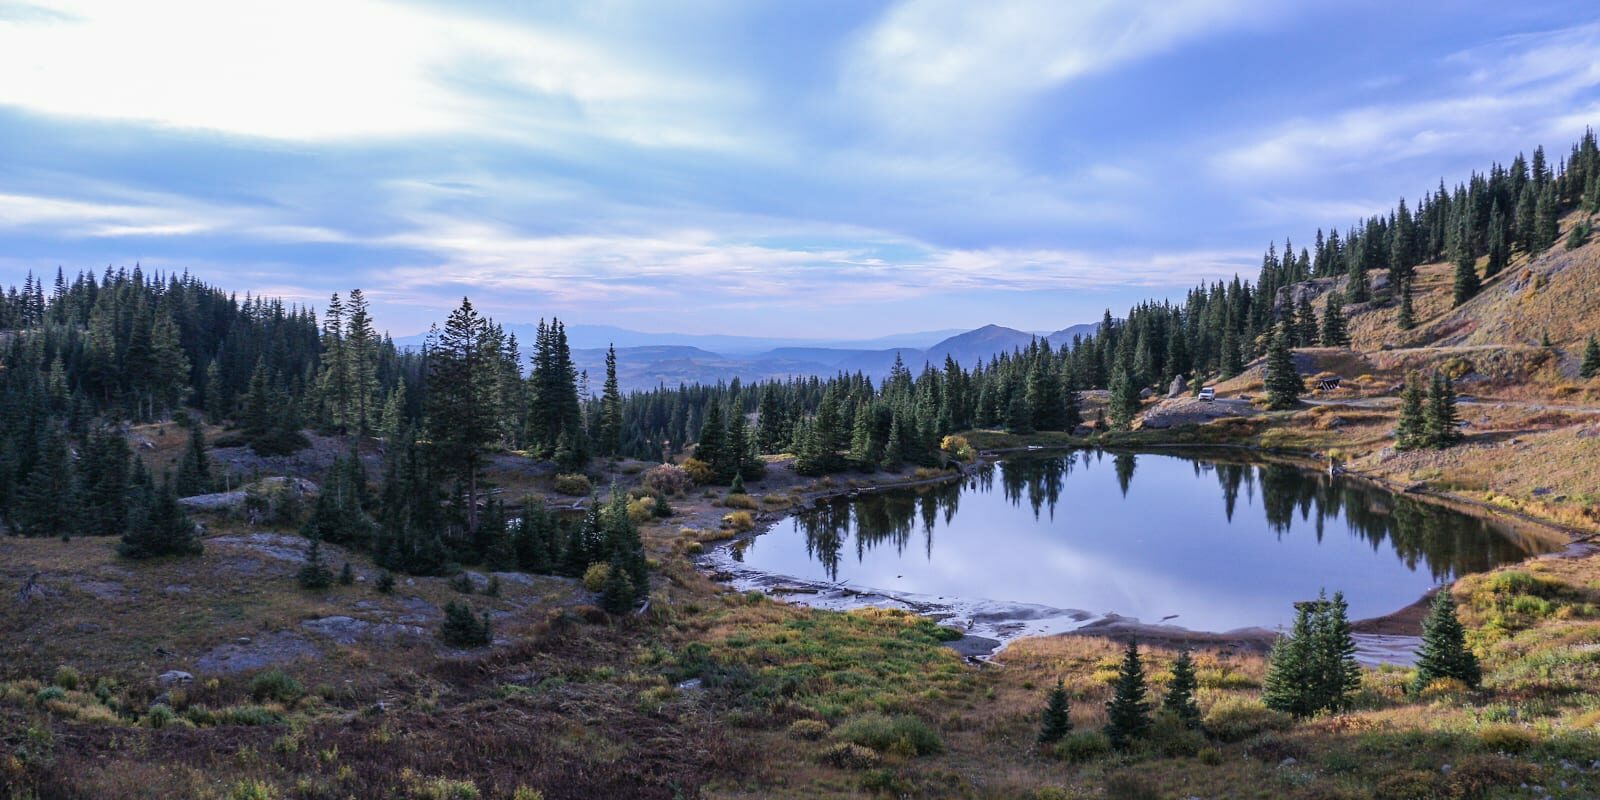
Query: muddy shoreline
x=990, y=627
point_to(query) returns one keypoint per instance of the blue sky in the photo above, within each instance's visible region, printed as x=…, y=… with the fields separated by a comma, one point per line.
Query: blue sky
x=835, y=168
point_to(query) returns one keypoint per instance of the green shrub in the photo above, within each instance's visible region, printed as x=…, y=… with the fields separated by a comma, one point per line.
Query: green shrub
x=881, y=733
x=1210, y=756
x=808, y=729
x=385, y=582
x=49, y=693
x=573, y=485
x=67, y=678
x=1172, y=738
x=740, y=521
x=442, y=789
x=1507, y=738
x=846, y=755
x=1479, y=774
x=251, y=789
x=740, y=501
x=1131, y=786
x=462, y=582
x=1234, y=719
x=462, y=629
x=238, y=715
x=1082, y=746
x=275, y=684
x=594, y=578
x=1409, y=784
x=160, y=716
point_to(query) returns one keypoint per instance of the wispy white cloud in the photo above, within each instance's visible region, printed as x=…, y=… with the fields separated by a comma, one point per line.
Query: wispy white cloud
x=1513, y=91
x=322, y=70
x=942, y=67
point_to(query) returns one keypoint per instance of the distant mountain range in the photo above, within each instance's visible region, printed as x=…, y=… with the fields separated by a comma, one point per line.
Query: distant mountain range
x=647, y=360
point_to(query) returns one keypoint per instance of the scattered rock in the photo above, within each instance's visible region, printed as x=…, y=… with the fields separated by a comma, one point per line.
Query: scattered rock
x=1178, y=388
x=176, y=588
x=33, y=590
x=280, y=647
x=273, y=545
x=349, y=630
x=174, y=676
x=105, y=590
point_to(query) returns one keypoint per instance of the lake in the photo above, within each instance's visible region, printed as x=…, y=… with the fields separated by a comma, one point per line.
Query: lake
x=1048, y=542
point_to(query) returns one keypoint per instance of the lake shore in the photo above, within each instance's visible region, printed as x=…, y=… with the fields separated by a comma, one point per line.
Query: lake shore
x=1388, y=638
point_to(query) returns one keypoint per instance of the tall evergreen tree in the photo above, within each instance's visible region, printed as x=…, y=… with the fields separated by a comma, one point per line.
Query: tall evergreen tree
x=40, y=508
x=159, y=527
x=194, y=468
x=1056, y=721
x=1545, y=227
x=1407, y=317
x=1290, y=670
x=1180, y=698
x=1410, y=432
x=1124, y=400
x=1591, y=359
x=1444, y=652
x=1337, y=675
x=461, y=406
x=1442, y=425
x=1466, y=278
x=611, y=409
x=1127, y=713
x=1283, y=382
x=361, y=348
x=1335, y=331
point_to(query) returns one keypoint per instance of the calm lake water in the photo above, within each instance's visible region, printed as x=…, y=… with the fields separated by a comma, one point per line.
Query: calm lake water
x=1199, y=543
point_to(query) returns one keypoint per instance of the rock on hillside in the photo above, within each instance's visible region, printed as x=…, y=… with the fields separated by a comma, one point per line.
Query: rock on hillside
x=1178, y=411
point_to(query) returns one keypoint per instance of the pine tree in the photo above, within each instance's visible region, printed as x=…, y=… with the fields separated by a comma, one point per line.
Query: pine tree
x=1442, y=425
x=1499, y=244
x=1289, y=680
x=1128, y=715
x=1336, y=674
x=462, y=629
x=103, y=495
x=1410, y=432
x=1124, y=400
x=159, y=527
x=1180, y=700
x=1545, y=227
x=1283, y=381
x=40, y=508
x=462, y=416
x=1335, y=331
x=1591, y=359
x=1232, y=354
x=1357, y=288
x=1466, y=280
x=1444, y=652
x=314, y=573
x=194, y=468
x=712, y=433
x=361, y=355
x=610, y=443
x=1056, y=721
x=617, y=595
x=347, y=575
x=1407, y=317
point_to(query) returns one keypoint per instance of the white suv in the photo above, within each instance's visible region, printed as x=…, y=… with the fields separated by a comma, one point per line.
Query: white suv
x=1208, y=394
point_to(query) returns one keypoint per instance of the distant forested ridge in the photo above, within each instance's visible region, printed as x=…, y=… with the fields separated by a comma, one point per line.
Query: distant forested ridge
x=1218, y=328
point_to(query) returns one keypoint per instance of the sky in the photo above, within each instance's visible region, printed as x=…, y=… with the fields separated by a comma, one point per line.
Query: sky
x=826, y=169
